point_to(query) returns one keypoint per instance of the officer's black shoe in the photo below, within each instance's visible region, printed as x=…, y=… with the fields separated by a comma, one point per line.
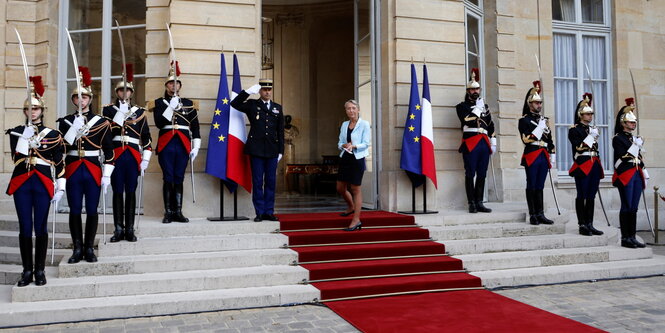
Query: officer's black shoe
x=472, y=207
x=89, y=255
x=118, y=233
x=627, y=242
x=77, y=254
x=584, y=230
x=533, y=219
x=481, y=208
x=544, y=220
x=269, y=217
x=167, y=217
x=258, y=218
x=25, y=247
x=593, y=230
x=41, y=245
x=637, y=243
x=26, y=279
x=130, y=236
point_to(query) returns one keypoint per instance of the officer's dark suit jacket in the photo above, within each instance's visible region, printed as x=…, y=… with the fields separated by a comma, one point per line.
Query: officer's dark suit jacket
x=581, y=165
x=625, y=163
x=186, y=116
x=266, y=134
x=526, y=125
x=135, y=127
x=469, y=119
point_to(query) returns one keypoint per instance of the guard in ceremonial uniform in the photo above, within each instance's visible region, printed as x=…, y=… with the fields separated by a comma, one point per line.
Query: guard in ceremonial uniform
x=478, y=142
x=132, y=148
x=89, y=167
x=539, y=154
x=179, y=141
x=37, y=180
x=265, y=145
x=586, y=168
x=630, y=175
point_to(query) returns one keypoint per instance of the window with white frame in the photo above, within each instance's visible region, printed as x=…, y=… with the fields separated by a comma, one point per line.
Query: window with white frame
x=474, y=37
x=95, y=37
x=581, y=37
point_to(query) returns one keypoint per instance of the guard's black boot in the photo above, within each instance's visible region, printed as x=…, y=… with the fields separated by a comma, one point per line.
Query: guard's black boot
x=633, y=219
x=167, y=193
x=91, y=223
x=468, y=185
x=41, y=245
x=25, y=246
x=76, y=229
x=480, y=191
x=540, y=209
x=118, y=233
x=530, y=199
x=177, y=207
x=130, y=216
x=580, y=210
x=589, y=207
x=626, y=232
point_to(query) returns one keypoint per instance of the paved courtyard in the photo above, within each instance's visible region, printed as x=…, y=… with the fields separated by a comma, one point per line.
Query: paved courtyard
x=634, y=305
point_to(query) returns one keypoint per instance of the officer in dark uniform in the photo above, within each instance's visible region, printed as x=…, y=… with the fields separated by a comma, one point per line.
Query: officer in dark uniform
x=586, y=168
x=37, y=180
x=539, y=154
x=89, y=163
x=265, y=145
x=630, y=175
x=478, y=142
x=132, y=148
x=179, y=141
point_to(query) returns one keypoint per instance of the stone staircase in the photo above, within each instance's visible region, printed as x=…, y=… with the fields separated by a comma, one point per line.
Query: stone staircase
x=505, y=251
x=176, y=268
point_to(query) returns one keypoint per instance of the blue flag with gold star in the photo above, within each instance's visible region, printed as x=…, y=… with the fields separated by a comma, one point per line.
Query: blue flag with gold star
x=218, y=143
x=410, y=160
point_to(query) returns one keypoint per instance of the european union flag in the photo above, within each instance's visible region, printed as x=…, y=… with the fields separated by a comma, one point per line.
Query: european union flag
x=218, y=143
x=411, y=157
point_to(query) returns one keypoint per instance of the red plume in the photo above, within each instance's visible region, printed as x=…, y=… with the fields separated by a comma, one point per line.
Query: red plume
x=37, y=83
x=589, y=96
x=477, y=73
x=536, y=84
x=129, y=72
x=630, y=101
x=86, y=79
x=177, y=68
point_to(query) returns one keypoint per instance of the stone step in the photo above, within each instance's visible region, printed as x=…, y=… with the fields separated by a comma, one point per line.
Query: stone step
x=139, y=264
x=10, y=223
x=33, y=313
x=10, y=274
x=553, y=257
x=193, y=244
x=475, y=231
x=464, y=218
x=12, y=255
x=570, y=273
x=155, y=283
x=62, y=240
x=522, y=243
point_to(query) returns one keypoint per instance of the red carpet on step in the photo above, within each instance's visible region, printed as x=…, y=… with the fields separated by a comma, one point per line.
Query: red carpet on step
x=391, y=254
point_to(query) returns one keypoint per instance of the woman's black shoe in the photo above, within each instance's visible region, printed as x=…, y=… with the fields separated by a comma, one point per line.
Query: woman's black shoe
x=40, y=278
x=347, y=214
x=26, y=278
x=358, y=226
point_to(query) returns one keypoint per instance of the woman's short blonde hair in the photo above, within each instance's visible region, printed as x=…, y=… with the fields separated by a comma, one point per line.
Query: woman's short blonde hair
x=352, y=101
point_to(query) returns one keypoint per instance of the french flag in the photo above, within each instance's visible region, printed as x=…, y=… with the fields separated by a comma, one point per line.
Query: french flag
x=238, y=169
x=427, y=133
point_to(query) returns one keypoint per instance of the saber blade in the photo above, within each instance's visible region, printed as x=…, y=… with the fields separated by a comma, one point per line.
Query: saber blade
x=76, y=71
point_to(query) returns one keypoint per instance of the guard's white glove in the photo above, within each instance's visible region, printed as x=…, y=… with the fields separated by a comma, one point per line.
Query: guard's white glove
x=124, y=108
x=540, y=129
x=645, y=173
x=145, y=159
x=106, y=176
x=479, y=108
x=493, y=144
x=28, y=132
x=593, y=131
x=637, y=140
x=553, y=159
x=57, y=196
x=174, y=103
x=279, y=157
x=196, y=145
x=542, y=124
x=253, y=89
x=60, y=185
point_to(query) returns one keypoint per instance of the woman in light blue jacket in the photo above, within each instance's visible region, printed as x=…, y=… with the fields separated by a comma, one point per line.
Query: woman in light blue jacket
x=354, y=141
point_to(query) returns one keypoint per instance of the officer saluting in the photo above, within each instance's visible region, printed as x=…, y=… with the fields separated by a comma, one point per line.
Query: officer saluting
x=478, y=142
x=132, y=147
x=630, y=175
x=87, y=137
x=179, y=140
x=37, y=152
x=265, y=145
x=538, y=155
x=586, y=168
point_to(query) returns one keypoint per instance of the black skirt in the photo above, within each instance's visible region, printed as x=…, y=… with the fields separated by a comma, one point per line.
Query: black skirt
x=351, y=169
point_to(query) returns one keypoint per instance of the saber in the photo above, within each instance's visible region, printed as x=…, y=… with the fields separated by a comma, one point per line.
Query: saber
x=28, y=120
x=191, y=170
x=175, y=61
x=104, y=213
x=549, y=171
x=76, y=71
x=124, y=63
x=138, y=212
x=602, y=205
x=644, y=197
x=55, y=216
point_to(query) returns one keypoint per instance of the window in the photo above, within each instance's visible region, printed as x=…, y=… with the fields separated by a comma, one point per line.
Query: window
x=474, y=37
x=94, y=33
x=581, y=39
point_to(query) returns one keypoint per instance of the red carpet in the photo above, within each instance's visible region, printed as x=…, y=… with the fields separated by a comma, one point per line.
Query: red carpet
x=393, y=255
